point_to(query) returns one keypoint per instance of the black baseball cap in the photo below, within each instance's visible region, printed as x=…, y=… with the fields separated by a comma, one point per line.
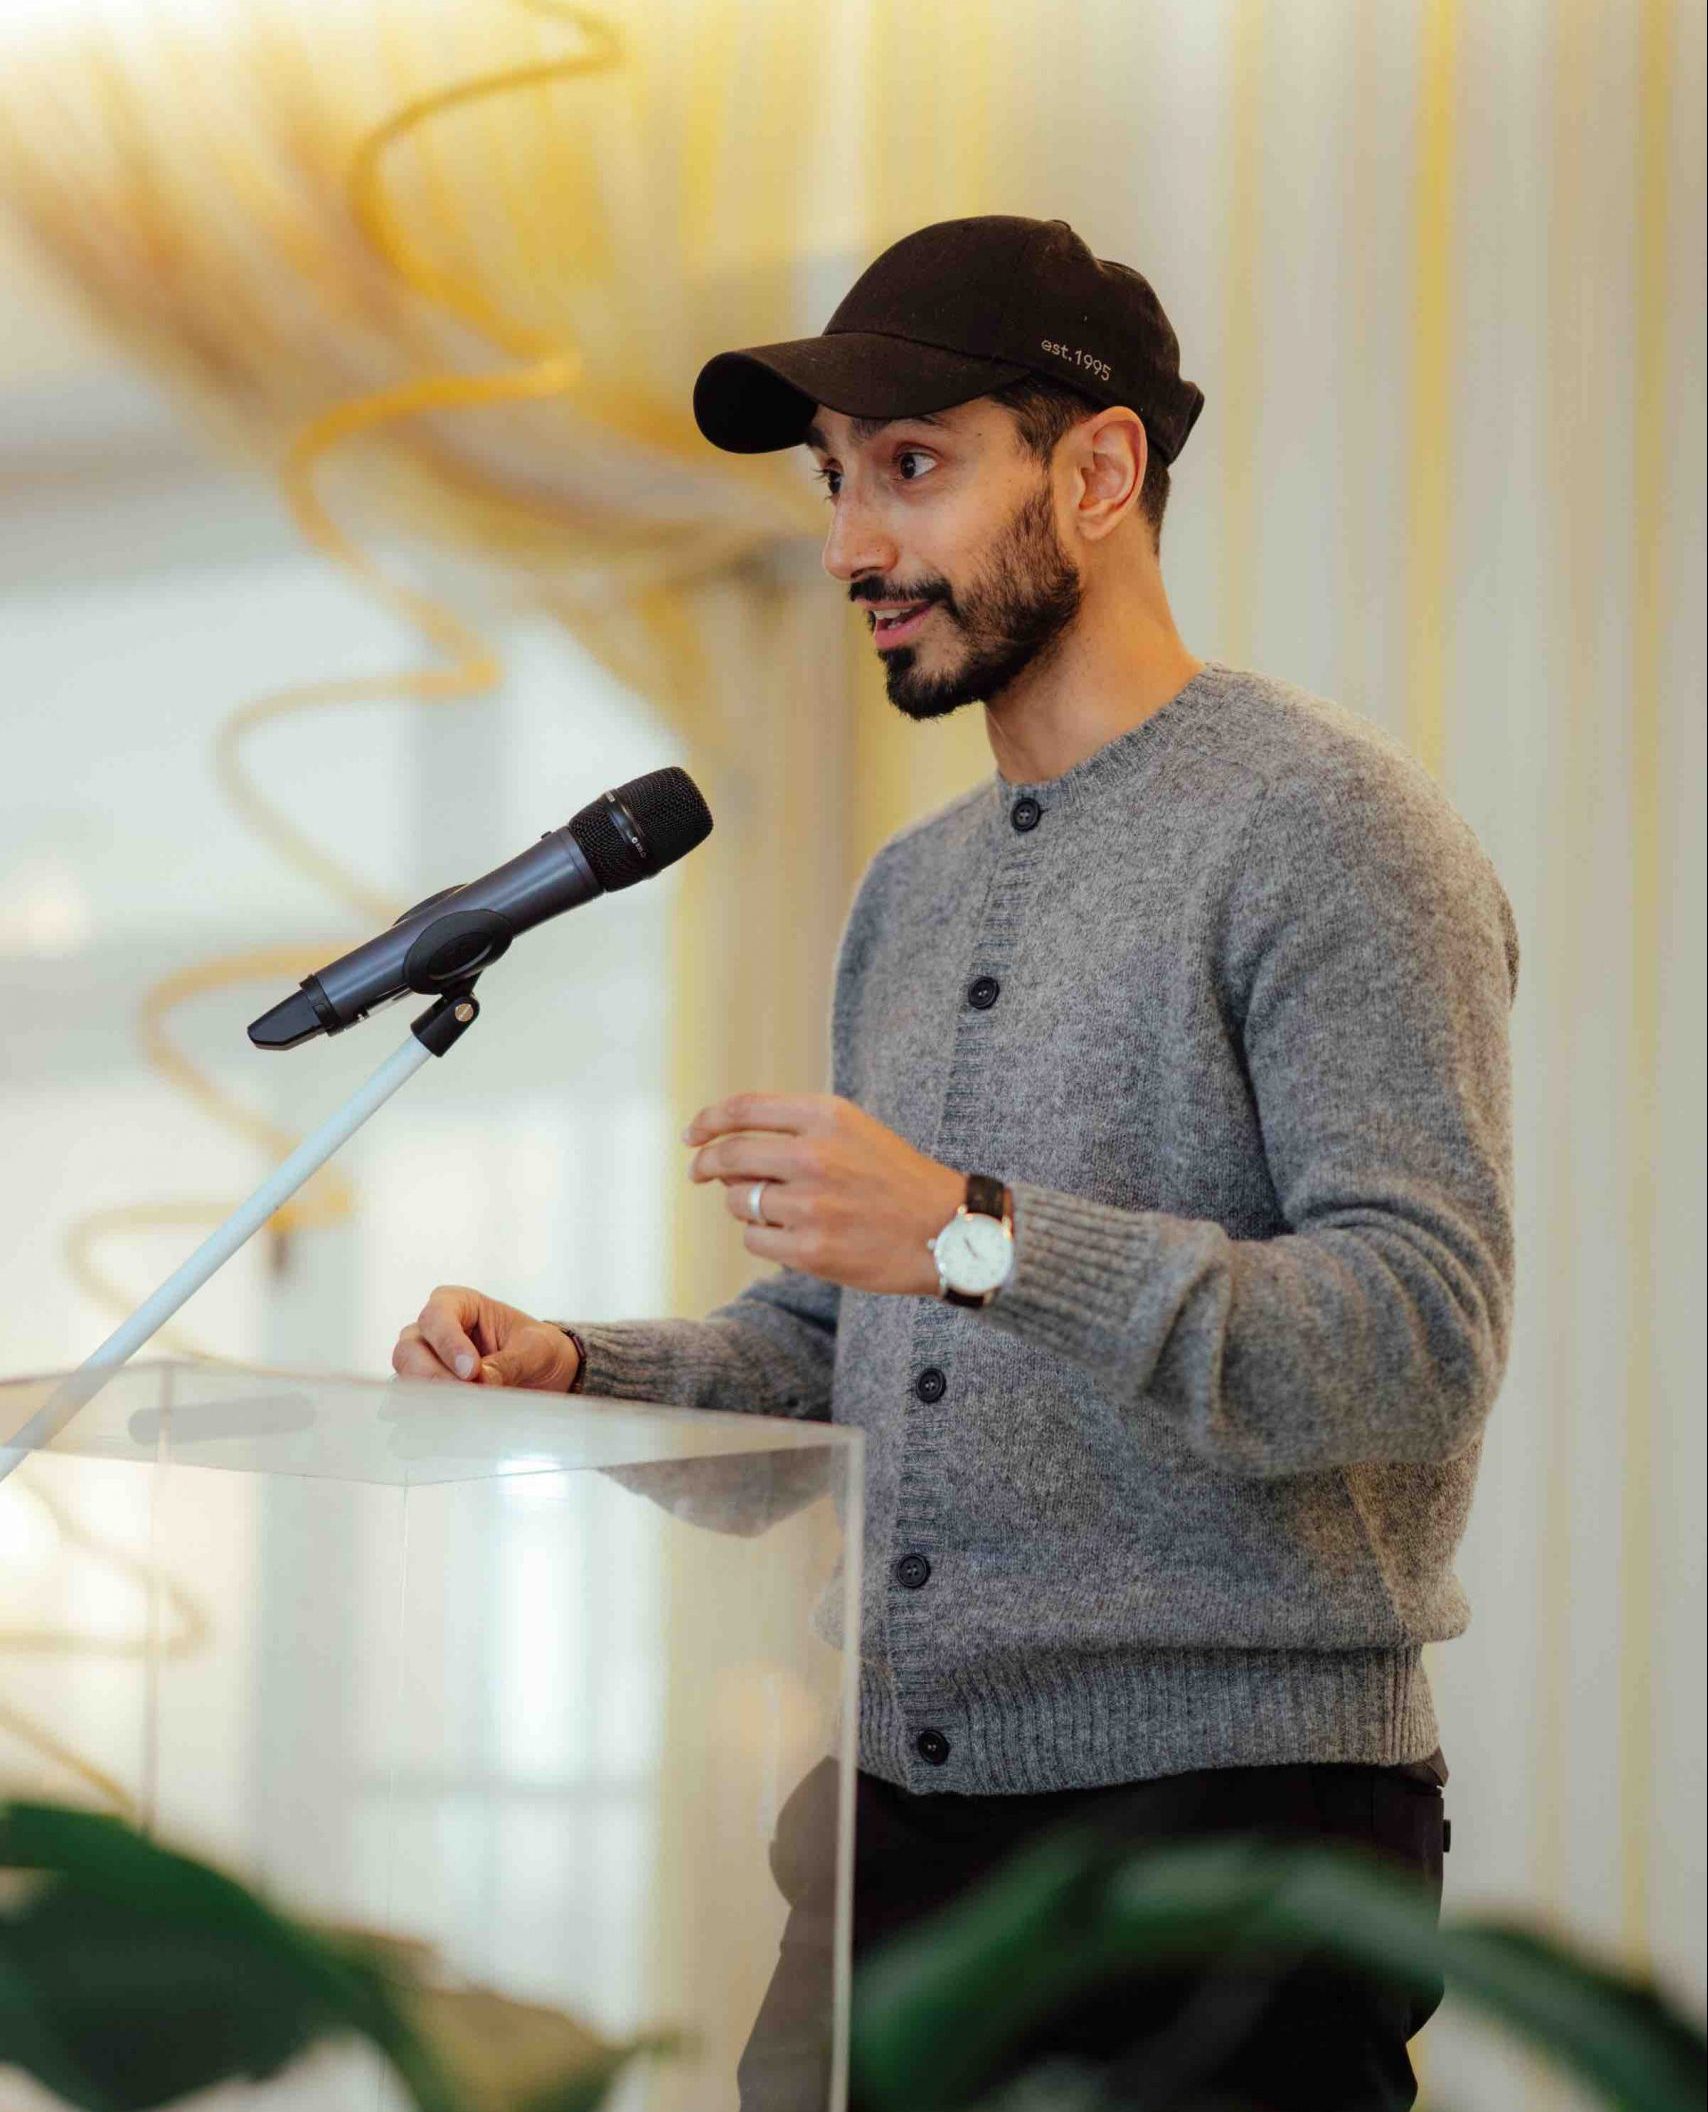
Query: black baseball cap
x=954, y=311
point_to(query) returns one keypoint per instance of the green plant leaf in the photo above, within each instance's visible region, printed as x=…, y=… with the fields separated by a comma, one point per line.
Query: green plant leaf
x=510, y=2056
x=937, y=2008
x=132, y=1976
x=587, y=2091
x=27, y=2042
x=137, y=1975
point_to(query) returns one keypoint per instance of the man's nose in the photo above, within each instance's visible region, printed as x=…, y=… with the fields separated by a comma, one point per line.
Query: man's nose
x=857, y=542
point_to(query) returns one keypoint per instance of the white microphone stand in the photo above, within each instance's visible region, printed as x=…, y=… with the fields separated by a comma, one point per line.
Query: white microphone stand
x=437, y=1030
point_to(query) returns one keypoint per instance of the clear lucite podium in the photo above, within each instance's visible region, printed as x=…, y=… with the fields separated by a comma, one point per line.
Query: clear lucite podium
x=527, y=1677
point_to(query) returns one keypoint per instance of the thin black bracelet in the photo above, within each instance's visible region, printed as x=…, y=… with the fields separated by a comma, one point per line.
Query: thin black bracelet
x=578, y=1383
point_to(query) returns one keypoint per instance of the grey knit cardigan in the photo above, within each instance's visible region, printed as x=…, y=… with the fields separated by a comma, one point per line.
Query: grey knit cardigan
x=1226, y=1004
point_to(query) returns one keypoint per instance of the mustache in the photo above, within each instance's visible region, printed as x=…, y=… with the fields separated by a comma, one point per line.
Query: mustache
x=892, y=594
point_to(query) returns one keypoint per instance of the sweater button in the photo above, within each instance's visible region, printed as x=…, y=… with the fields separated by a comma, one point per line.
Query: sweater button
x=930, y=1385
x=1025, y=814
x=932, y=1746
x=982, y=991
x=912, y=1570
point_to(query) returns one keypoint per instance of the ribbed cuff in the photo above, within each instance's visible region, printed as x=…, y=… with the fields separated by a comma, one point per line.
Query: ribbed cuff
x=625, y=1360
x=683, y=1364
x=1085, y=1272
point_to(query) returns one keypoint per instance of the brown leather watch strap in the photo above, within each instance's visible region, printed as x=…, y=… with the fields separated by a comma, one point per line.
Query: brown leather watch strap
x=987, y=1196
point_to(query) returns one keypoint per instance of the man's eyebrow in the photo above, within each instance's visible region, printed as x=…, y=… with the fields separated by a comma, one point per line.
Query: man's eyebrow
x=864, y=428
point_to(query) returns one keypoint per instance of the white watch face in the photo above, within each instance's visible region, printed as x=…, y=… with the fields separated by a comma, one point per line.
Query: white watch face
x=975, y=1252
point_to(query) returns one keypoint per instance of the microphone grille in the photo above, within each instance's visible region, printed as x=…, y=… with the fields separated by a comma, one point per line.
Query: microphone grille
x=663, y=809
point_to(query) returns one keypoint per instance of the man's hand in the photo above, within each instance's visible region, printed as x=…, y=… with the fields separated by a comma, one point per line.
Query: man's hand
x=461, y=1334
x=846, y=1198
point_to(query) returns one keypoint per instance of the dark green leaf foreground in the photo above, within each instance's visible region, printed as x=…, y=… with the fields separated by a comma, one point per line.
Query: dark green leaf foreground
x=936, y=2009
x=132, y=1976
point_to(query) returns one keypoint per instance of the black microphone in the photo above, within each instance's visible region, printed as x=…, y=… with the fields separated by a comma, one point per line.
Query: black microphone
x=622, y=836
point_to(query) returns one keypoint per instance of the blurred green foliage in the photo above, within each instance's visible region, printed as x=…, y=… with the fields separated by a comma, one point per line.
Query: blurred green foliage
x=132, y=1976
x=940, y=2007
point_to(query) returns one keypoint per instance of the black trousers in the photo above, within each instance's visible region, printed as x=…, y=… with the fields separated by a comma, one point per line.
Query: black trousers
x=1306, y=2037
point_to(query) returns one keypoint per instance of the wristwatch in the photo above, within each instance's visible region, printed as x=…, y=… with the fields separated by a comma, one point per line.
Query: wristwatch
x=974, y=1251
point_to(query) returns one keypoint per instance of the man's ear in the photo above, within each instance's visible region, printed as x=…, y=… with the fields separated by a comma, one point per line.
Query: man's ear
x=1113, y=450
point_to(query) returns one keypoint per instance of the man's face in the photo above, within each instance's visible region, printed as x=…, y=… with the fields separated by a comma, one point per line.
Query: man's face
x=948, y=510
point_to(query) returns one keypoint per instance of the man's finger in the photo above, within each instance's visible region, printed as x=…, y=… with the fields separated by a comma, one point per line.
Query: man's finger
x=774, y=1243
x=445, y=1322
x=794, y=1112
x=748, y=1154
x=782, y=1203
x=411, y=1357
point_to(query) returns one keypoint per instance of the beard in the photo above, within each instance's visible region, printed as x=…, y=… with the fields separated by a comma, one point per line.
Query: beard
x=1014, y=614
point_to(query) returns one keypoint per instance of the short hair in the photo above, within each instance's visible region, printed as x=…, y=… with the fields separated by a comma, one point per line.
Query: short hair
x=1044, y=409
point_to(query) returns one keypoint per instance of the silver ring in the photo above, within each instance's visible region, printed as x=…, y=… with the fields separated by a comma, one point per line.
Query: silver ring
x=755, y=1204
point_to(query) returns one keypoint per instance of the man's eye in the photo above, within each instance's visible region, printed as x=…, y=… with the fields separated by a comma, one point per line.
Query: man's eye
x=825, y=476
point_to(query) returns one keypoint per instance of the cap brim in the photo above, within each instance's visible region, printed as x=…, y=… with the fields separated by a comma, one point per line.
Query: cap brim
x=762, y=398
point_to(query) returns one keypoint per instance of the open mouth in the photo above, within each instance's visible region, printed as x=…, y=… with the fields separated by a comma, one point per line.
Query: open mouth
x=897, y=629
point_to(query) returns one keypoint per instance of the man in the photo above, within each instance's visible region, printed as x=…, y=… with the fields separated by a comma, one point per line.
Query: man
x=1157, y=1231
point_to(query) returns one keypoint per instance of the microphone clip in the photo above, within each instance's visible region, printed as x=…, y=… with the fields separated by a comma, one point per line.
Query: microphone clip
x=444, y=962
x=444, y=1024
x=455, y=948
